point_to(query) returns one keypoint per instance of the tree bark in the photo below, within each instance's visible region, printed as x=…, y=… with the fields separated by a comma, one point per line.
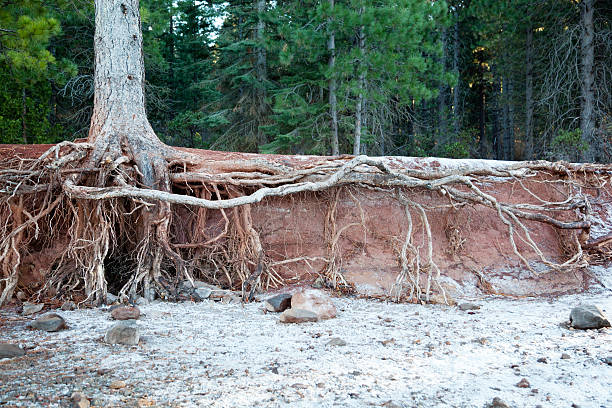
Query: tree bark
x=260, y=71
x=528, y=155
x=509, y=126
x=331, y=48
x=587, y=53
x=360, y=97
x=119, y=118
x=442, y=96
x=456, y=110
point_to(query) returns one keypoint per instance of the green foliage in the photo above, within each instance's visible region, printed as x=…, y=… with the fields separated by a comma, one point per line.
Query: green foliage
x=568, y=145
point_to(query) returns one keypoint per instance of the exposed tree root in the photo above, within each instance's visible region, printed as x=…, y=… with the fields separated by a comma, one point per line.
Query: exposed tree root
x=174, y=221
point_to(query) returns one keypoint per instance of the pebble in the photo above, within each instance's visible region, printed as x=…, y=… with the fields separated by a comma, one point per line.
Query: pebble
x=468, y=306
x=542, y=360
x=117, y=385
x=50, y=322
x=31, y=308
x=8, y=350
x=124, y=332
x=336, y=341
x=523, y=383
x=278, y=303
x=497, y=403
x=125, y=313
x=298, y=316
x=565, y=356
x=79, y=400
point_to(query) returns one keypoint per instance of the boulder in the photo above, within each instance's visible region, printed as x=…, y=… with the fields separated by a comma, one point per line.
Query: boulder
x=315, y=301
x=588, y=317
x=298, y=316
x=8, y=350
x=125, y=313
x=125, y=332
x=50, y=322
x=278, y=303
x=31, y=308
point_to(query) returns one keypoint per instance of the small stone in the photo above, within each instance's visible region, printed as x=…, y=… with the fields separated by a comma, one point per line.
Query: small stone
x=315, y=301
x=542, y=360
x=336, y=341
x=298, y=316
x=319, y=283
x=21, y=296
x=125, y=332
x=468, y=306
x=535, y=391
x=607, y=360
x=523, y=383
x=79, y=400
x=145, y=402
x=50, y=322
x=103, y=371
x=278, y=303
x=117, y=385
x=497, y=403
x=565, y=356
x=31, y=308
x=8, y=350
x=203, y=293
x=588, y=317
x=142, y=301
x=125, y=313
x=390, y=404
x=68, y=305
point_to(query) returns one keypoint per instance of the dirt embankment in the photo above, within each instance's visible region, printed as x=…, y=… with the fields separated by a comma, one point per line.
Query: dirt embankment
x=470, y=243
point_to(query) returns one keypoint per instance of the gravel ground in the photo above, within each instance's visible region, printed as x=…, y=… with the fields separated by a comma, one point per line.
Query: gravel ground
x=230, y=355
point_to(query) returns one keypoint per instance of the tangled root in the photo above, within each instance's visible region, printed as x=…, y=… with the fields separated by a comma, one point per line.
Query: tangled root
x=96, y=218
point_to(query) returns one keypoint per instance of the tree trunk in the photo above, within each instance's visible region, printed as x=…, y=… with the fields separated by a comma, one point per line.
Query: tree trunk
x=119, y=117
x=442, y=96
x=24, y=127
x=456, y=111
x=509, y=134
x=528, y=154
x=360, y=97
x=260, y=71
x=331, y=48
x=587, y=52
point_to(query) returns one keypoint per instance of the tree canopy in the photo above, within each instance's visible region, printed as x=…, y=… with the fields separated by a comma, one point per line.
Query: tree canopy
x=491, y=79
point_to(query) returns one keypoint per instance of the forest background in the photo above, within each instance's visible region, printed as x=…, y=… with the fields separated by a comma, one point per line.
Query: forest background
x=513, y=80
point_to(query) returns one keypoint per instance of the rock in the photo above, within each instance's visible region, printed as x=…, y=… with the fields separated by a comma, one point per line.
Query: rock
x=390, y=404
x=141, y=301
x=607, y=360
x=588, y=317
x=50, y=322
x=278, y=303
x=31, y=308
x=8, y=350
x=565, y=356
x=298, y=316
x=21, y=296
x=319, y=283
x=523, y=383
x=125, y=332
x=79, y=400
x=68, y=305
x=315, y=301
x=125, y=313
x=440, y=299
x=468, y=306
x=203, y=292
x=543, y=360
x=497, y=403
x=110, y=298
x=336, y=341
x=117, y=385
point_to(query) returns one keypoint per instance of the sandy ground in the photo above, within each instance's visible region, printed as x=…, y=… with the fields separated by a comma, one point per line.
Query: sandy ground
x=217, y=355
